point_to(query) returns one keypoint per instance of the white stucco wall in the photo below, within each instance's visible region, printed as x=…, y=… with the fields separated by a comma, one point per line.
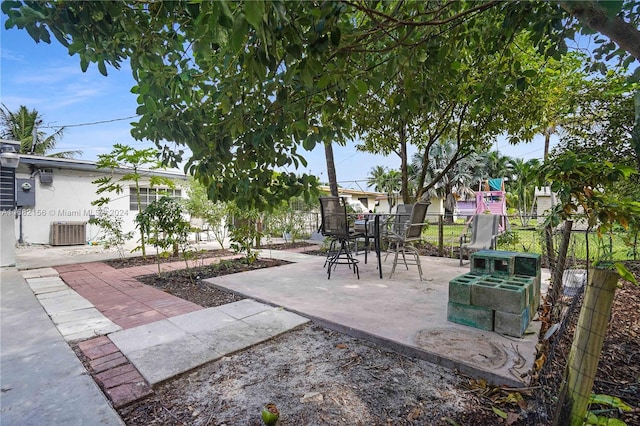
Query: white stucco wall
x=68, y=199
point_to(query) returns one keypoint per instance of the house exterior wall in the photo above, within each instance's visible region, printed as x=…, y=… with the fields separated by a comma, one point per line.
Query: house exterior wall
x=68, y=199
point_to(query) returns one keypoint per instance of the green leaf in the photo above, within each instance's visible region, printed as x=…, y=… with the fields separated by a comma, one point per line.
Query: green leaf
x=500, y=413
x=239, y=34
x=84, y=63
x=226, y=17
x=352, y=96
x=625, y=273
x=102, y=68
x=254, y=11
x=610, y=401
x=362, y=86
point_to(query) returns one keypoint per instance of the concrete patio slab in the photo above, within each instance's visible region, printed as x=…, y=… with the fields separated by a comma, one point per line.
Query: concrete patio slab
x=39, y=273
x=145, y=336
x=401, y=313
x=163, y=349
x=161, y=362
x=243, y=308
x=204, y=320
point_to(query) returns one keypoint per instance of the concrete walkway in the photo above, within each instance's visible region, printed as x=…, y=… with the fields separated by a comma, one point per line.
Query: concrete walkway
x=43, y=381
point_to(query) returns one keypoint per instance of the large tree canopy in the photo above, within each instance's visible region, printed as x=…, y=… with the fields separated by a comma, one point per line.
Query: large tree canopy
x=248, y=86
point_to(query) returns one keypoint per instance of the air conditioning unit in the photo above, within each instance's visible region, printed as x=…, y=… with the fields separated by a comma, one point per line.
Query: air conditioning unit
x=68, y=233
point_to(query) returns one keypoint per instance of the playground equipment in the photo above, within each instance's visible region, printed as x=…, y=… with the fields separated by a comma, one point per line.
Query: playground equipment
x=490, y=198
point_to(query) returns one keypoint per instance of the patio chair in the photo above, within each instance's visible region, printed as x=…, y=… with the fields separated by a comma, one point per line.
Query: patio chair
x=404, y=232
x=335, y=225
x=397, y=223
x=484, y=233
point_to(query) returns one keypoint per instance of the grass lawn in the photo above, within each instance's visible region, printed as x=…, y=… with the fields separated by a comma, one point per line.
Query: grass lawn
x=531, y=240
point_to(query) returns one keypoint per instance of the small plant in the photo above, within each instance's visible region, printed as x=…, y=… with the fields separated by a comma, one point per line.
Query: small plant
x=613, y=404
x=243, y=232
x=164, y=227
x=509, y=238
x=111, y=226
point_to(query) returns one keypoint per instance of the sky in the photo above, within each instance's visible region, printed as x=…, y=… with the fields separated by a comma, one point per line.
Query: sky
x=97, y=111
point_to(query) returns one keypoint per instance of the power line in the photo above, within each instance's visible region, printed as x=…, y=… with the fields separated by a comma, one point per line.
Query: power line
x=93, y=123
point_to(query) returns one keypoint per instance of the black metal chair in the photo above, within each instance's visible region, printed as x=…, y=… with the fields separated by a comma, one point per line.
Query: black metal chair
x=335, y=225
x=405, y=232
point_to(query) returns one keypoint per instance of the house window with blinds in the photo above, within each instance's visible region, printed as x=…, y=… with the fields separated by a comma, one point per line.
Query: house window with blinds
x=149, y=195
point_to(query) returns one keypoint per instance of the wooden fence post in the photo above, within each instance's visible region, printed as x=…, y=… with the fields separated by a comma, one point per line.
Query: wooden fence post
x=584, y=355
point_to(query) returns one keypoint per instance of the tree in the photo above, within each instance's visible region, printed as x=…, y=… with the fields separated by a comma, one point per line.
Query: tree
x=164, y=227
x=248, y=85
x=522, y=184
x=133, y=161
x=22, y=125
x=387, y=181
x=582, y=182
x=449, y=176
x=216, y=214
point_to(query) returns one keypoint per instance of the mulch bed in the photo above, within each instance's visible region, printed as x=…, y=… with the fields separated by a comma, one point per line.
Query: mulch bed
x=188, y=284
x=150, y=259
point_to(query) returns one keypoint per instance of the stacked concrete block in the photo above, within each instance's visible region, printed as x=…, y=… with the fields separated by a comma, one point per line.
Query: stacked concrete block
x=501, y=293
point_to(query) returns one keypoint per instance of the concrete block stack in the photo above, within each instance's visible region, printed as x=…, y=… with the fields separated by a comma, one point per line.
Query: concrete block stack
x=501, y=293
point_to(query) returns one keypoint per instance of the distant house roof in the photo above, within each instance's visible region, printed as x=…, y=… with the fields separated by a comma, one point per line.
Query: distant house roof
x=353, y=192
x=40, y=162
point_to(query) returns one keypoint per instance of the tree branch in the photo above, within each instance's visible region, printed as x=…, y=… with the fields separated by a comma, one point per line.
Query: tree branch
x=592, y=15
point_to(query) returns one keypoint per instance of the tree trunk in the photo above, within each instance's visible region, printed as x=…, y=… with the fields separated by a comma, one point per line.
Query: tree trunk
x=331, y=169
x=585, y=350
x=635, y=133
x=139, y=201
x=556, y=281
x=406, y=197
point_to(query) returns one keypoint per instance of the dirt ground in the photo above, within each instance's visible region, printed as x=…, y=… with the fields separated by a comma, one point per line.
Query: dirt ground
x=320, y=377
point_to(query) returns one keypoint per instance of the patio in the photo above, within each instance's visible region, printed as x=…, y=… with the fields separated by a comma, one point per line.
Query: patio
x=401, y=313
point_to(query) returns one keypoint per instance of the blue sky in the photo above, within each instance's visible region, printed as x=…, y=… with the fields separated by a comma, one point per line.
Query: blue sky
x=44, y=77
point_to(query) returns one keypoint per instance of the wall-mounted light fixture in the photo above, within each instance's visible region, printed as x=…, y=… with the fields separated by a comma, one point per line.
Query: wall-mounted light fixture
x=9, y=157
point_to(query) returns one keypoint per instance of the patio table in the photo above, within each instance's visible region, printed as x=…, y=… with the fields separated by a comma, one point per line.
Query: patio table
x=373, y=232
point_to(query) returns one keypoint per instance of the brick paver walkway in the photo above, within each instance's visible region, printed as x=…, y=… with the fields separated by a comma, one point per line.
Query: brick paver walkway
x=121, y=298
x=128, y=303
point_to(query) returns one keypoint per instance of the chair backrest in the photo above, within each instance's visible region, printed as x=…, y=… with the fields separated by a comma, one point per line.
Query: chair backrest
x=416, y=221
x=484, y=227
x=334, y=217
x=401, y=218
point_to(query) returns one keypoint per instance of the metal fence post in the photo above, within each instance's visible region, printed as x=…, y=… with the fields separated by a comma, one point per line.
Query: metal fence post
x=440, y=236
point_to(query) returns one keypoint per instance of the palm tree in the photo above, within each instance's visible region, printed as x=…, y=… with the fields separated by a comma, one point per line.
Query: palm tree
x=459, y=179
x=376, y=178
x=498, y=166
x=523, y=185
x=22, y=125
x=383, y=180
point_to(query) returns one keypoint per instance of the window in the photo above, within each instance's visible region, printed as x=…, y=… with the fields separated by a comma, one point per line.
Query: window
x=149, y=195
x=364, y=201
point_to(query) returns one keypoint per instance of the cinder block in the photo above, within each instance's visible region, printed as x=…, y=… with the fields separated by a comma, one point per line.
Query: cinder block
x=472, y=316
x=533, y=285
x=495, y=262
x=460, y=287
x=527, y=264
x=479, y=265
x=500, y=297
x=512, y=324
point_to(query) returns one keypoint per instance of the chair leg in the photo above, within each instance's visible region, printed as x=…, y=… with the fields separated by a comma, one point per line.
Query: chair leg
x=395, y=262
x=342, y=256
